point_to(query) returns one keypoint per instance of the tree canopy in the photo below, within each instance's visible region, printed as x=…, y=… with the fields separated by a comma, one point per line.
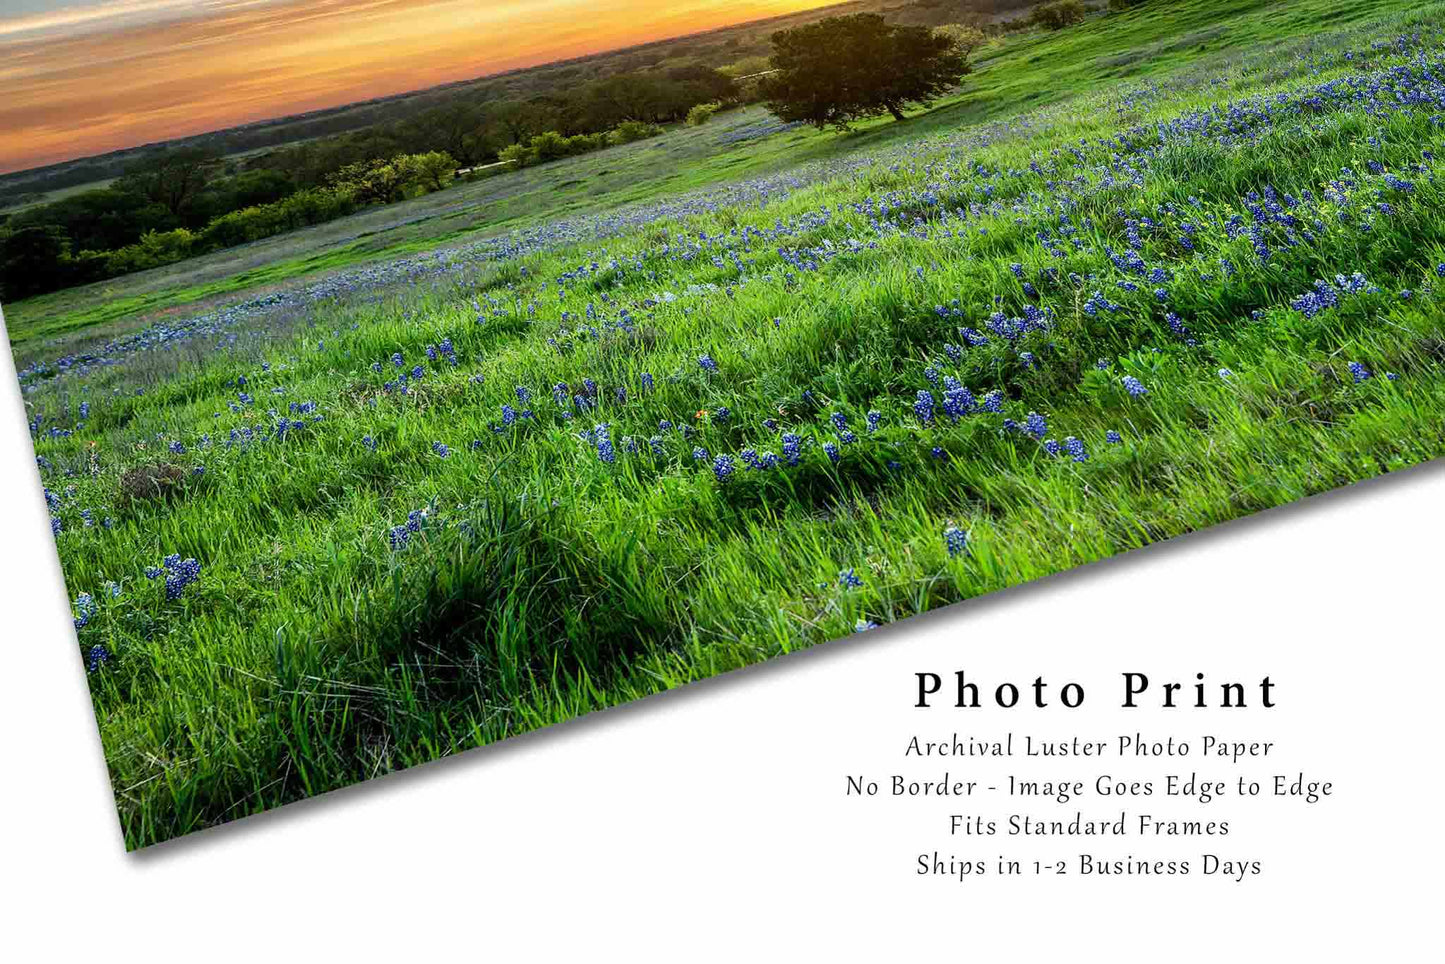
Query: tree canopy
x=843, y=69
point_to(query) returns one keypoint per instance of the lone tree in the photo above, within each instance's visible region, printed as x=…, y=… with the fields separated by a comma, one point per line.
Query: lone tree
x=842, y=69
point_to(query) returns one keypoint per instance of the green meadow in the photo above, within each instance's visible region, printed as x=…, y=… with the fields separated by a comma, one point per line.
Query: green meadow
x=675, y=408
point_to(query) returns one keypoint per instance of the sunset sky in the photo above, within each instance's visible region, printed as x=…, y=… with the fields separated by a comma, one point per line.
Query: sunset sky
x=83, y=77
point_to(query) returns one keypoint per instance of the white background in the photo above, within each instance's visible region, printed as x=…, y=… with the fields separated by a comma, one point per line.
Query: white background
x=712, y=821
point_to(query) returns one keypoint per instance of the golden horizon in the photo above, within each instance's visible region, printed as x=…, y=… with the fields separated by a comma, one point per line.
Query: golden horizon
x=78, y=87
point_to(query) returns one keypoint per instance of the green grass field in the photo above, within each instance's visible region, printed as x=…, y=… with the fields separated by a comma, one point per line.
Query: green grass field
x=1075, y=310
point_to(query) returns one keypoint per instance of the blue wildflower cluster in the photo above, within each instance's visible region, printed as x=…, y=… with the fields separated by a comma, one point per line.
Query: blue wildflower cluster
x=179, y=573
x=85, y=610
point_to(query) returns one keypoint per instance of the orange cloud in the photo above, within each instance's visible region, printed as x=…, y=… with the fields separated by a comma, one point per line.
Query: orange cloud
x=88, y=85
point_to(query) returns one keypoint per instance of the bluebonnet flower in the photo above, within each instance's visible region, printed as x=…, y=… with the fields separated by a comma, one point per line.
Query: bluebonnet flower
x=848, y=579
x=524, y=395
x=1391, y=376
x=55, y=525
x=605, y=451
x=1036, y=425
x=874, y=417
x=831, y=450
x=1052, y=447
x=931, y=374
x=1133, y=386
x=1226, y=374
x=700, y=454
x=938, y=454
x=369, y=442
x=97, y=658
x=707, y=364
x=646, y=381
x=1113, y=437
x=398, y=536
x=923, y=407
x=397, y=360
x=722, y=467
x=840, y=421
x=957, y=402
x=179, y=574
x=722, y=414
x=415, y=519
x=1360, y=372
x=792, y=448
x=656, y=444
x=767, y=460
x=84, y=610
x=955, y=540
x=749, y=458
x=863, y=625
x=441, y=449
x=1075, y=448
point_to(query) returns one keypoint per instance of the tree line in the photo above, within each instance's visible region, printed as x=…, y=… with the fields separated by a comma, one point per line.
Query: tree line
x=189, y=201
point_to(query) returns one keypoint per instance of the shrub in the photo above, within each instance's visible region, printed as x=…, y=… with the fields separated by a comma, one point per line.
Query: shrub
x=629, y=131
x=701, y=114
x=1059, y=14
x=311, y=206
x=153, y=250
x=965, y=39
x=548, y=146
x=435, y=170
x=585, y=143
x=515, y=154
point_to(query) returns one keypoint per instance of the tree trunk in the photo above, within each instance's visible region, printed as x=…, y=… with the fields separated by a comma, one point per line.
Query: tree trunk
x=897, y=114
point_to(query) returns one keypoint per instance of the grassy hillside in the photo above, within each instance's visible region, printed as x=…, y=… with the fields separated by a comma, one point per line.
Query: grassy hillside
x=414, y=506
x=1026, y=71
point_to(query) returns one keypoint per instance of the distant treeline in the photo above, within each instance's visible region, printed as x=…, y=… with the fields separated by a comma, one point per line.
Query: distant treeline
x=170, y=203
x=176, y=209
x=189, y=201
